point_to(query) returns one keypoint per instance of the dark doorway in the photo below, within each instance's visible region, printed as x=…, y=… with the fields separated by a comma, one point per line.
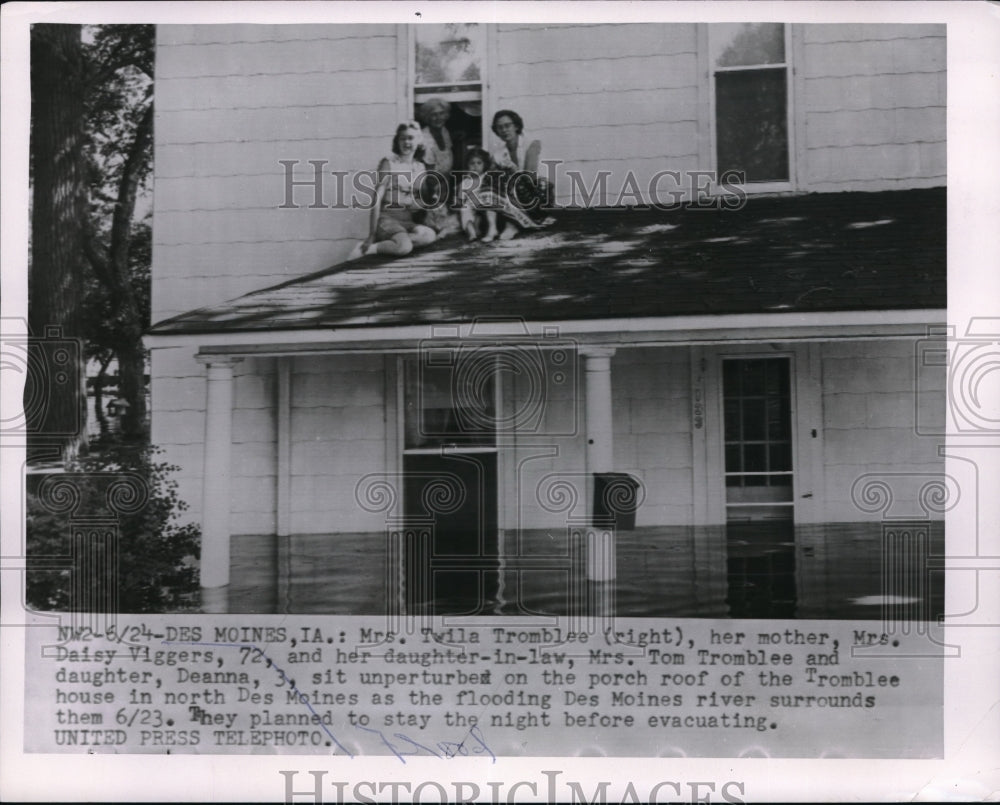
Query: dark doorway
x=453, y=568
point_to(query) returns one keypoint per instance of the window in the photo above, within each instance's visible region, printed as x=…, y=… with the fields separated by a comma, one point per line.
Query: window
x=448, y=63
x=450, y=406
x=757, y=426
x=749, y=69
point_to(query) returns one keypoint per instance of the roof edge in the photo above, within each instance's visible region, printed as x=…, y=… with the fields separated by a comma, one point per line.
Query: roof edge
x=823, y=325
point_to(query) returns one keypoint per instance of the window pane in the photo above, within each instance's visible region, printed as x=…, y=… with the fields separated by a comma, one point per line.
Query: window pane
x=732, y=420
x=440, y=411
x=753, y=420
x=731, y=378
x=733, y=463
x=449, y=53
x=778, y=418
x=752, y=124
x=747, y=43
x=753, y=377
x=781, y=459
x=754, y=458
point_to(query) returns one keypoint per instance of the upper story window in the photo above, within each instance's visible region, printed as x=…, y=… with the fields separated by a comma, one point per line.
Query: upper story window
x=449, y=61
x=749, y=65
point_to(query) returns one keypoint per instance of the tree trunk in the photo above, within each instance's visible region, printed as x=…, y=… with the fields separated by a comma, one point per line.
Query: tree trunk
x=130, y=352
x=102, y=420
x=58, y=417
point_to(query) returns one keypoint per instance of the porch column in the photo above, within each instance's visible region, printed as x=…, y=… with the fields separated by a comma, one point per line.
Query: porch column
x=600, y=451
x=215, y=530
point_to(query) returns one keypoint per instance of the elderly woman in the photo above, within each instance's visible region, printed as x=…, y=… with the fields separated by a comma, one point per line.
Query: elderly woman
x=393, y=228
x=439, y=156
x=519, y=158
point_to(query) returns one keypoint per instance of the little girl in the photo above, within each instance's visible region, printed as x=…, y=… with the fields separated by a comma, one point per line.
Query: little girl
x=476, y=199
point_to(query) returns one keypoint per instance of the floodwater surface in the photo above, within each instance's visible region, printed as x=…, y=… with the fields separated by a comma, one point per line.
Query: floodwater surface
x=860, y=571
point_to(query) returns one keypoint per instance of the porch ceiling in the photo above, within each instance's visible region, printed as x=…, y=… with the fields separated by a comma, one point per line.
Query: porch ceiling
x=809, y=254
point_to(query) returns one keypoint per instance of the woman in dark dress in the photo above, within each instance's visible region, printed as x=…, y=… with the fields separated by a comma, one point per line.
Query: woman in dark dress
x=519, y=158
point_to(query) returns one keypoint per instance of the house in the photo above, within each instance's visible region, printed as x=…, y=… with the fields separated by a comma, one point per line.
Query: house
x=744, y=348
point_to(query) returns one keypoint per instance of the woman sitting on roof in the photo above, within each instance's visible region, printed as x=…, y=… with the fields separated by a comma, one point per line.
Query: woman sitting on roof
x=393, y=229
x=439, y=156
x=518, y=158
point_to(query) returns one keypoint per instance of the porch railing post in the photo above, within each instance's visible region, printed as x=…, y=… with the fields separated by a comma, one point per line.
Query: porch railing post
x=600, y=451
x=216, y=498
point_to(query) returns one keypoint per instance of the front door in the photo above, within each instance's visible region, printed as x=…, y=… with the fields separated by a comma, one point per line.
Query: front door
x=757, y=414
x=450, y=482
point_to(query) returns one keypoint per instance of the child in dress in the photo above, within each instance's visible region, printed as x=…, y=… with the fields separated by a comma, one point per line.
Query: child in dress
x=475, y=197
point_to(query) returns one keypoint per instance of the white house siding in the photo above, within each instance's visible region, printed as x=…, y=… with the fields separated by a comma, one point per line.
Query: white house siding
x=652, y=442
x=871, y=394
x=614, y=98
x=651, y=389
x=338, y=434
x=178, y=427
x=873, y=104
x=233, y=100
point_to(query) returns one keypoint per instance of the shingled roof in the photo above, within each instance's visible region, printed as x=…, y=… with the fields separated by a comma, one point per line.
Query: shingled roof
x=819, y=252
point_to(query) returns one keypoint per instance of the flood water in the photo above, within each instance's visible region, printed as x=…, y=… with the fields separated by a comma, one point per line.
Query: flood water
x=866, y=571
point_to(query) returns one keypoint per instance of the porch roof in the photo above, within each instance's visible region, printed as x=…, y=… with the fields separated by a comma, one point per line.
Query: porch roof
x=818, y=253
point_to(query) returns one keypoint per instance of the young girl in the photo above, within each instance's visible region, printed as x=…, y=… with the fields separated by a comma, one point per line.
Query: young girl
x=475, y=197
x=393, y=229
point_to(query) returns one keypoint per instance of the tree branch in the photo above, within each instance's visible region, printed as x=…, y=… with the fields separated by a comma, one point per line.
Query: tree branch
x=121, y=222
x=92, y=250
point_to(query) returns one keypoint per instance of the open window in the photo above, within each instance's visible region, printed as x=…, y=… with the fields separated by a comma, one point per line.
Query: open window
x=449, y=61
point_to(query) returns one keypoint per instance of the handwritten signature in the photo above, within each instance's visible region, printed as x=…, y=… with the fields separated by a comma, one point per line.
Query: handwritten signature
x=472, y=744
x=445, y=749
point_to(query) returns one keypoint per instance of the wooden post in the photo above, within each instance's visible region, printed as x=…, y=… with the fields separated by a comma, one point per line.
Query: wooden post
x=215, y=528
x=600, y=451
x=284, y=447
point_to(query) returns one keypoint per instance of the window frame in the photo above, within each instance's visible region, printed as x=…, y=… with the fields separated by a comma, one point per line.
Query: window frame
x=707, y=432
x=790, y=474
x=487, y=69
x=792, y=47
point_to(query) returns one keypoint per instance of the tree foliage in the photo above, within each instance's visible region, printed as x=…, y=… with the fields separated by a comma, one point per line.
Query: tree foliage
x=155, y=566
x=91, y=161
x=119, y=106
